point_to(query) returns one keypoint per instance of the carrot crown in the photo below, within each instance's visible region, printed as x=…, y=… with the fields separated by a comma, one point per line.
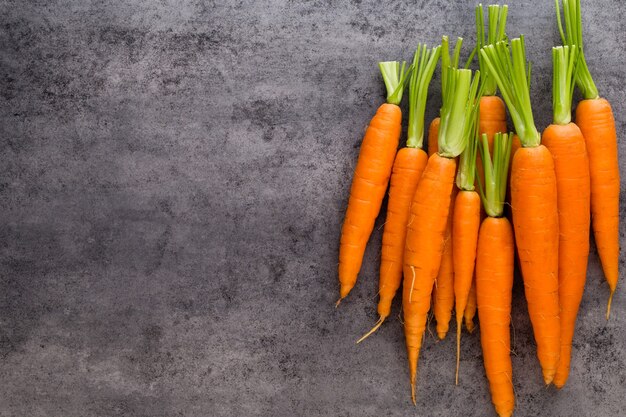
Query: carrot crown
x=460, y=95
x=507, y=65
x=564, y=59
x=493, y=190
x=574, y=36
x=395, y=77
x=466, y=174
x=424, y=63
x=497, y=26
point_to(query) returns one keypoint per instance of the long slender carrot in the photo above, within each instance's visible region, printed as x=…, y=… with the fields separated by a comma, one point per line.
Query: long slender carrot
x=565, y=142
x=407, y=170
x=494, y=276
x=471, y=307
x=465, y=225
x=429, y=210
x=443, y=300
x=534, y=203
x=371, y=177
x=594, y=117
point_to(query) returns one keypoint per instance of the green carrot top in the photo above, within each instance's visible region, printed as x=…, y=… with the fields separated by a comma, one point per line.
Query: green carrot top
x=424, y=63
x=493, y=190
x=466, y=173
x=395, y=77
x=507, y=65
x=460, y=96
x=564, y=59
x=497, y=26
x=574, y=36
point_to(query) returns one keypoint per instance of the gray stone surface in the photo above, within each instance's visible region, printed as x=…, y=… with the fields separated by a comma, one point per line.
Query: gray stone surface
x=173, y=179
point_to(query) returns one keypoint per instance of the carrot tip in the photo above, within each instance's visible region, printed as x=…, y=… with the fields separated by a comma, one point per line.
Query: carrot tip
x=608, y=306
x=413, y=393
x=441, y=335
x=337, y=303
x=376, y=327
x=548, y=379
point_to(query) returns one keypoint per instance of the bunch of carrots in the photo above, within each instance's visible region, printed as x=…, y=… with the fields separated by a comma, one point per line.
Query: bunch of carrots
x=447, y=236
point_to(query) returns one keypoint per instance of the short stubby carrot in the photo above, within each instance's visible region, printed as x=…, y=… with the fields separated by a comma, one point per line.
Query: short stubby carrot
x=535, y=219
x=595, y=119
x=494, y=284
x=444, y=296
x=369, y=185
x=423, y=250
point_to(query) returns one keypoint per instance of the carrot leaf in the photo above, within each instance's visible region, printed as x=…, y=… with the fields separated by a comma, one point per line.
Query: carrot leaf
x=493, y=189
x=497, y=27
x=395, y=77
x=573, y=35
x=564, y=62
x=466, y=174
x=424, y=63
x=507, y=65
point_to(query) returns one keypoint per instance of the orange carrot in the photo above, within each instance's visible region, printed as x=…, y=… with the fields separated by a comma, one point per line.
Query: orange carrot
x=565, y=142
x=494, y=276
x=595, y=119
x=534, y=204
x=371, y=177
x=465, y=224
x=407, y=170
x=429, y=210
x=433, y=132
x=444, y=283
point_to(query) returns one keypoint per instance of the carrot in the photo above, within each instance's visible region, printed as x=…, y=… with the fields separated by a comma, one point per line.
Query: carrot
x=594, y=117
x=565, y=142
x=494, y=275
x=465, y=224
x=534, y=203
x=433, y=132
x=444, y=284
x=470, y=308
x=371, y=177
x=430, y=206
x=407, y=169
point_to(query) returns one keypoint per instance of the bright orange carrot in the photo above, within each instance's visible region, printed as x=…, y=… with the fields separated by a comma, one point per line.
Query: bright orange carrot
x=465, y=224
x=407, y=170
x=429, y=210
x=565, y=142
x=470, y=308
x=494, y=276
x=595, y=119
x=433, y=132
x=371, y=177
x=534, y=204
x=444, y=283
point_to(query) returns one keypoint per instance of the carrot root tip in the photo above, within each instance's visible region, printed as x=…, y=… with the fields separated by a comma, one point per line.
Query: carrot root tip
x=376, y=327
x=608, y=306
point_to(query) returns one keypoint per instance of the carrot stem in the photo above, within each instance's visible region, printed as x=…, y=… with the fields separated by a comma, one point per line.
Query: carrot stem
x=564, y=59
x=493, y=192
x=573, y=35
x=508, y=67
x=395, y=77
x=424, y=63
x=496, y=33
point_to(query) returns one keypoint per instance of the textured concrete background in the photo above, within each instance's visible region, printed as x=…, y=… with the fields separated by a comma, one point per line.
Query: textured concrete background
x=173, y=179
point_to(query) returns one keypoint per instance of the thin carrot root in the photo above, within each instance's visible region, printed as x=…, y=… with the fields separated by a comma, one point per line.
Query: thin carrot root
x=608, y=306
x=459, y=323
x=337, y=303
x=376, y=327
x=413, y=393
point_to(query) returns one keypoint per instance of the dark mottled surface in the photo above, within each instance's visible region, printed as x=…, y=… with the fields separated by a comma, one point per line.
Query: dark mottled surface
x=172, y=182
